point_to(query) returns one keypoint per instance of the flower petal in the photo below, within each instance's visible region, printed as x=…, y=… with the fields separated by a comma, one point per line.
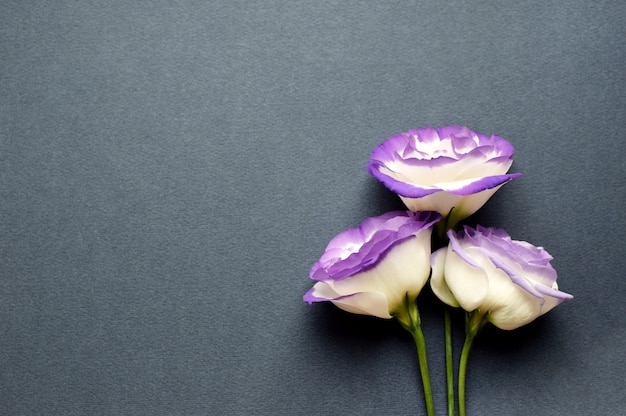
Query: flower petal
x=468, y=284
x=437, y=282
x=365, y=303
x=404, y=269
x=362, y=303
x=472, y=186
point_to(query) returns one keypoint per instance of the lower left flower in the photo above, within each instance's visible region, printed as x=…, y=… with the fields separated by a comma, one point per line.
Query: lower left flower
x=376, y=268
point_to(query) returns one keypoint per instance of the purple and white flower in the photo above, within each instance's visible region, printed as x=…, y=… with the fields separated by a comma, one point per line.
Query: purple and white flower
x=441, y=169
x=483, y=269
x=370, y=270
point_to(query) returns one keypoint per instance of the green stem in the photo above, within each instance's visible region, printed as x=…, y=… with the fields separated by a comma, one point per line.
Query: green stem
x=442, y=227
x=410, y=320
x=420, y=343
x=467, y=345
x=474, y=322
x=449, y=365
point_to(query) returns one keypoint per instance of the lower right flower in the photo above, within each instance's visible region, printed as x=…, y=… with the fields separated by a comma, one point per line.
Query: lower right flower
x=483, y=269
x=495, y=279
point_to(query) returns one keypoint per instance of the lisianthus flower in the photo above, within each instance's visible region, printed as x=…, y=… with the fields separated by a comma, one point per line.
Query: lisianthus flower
x=448, y=170
x=375, y=268
x=510, y=282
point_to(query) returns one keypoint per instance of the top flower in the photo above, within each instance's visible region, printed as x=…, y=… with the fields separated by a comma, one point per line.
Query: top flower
x=443, y=170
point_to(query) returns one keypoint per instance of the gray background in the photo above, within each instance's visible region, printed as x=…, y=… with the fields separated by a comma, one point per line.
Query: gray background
x=170, y=170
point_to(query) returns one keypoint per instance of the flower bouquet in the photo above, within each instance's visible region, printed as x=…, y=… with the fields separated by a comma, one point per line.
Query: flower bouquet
x=443, y=176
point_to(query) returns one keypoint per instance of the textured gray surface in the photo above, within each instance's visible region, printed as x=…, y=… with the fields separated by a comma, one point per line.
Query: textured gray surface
x=169, y=171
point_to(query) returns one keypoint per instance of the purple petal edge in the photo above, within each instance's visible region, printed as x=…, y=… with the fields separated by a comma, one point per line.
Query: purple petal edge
x=515, y=277
x=483, y=184
x=310, y=298
x=374, y=243
x=397, y=144
x=554, y=293
x=411, y=190
x=401, y=188
x=456, y=247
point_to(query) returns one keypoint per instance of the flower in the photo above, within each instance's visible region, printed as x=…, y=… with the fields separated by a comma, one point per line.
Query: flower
x=372, y=269
x=441, y=169
x=483, y=269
